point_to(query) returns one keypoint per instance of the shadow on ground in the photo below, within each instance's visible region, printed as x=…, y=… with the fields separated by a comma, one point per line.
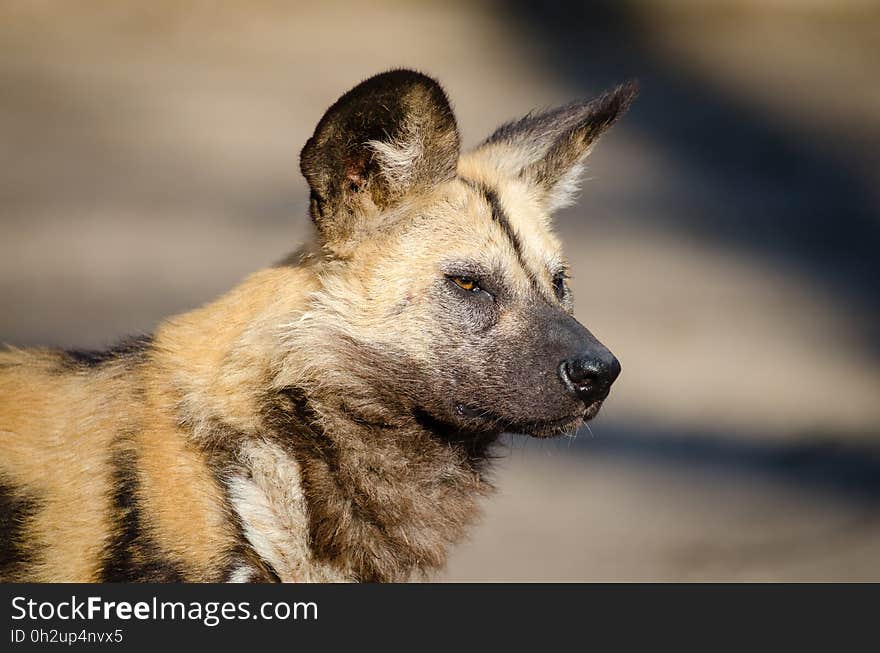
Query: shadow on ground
x=813, y=462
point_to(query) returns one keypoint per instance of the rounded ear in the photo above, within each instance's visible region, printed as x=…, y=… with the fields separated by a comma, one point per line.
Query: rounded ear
x=548, y=149
x=390, y=135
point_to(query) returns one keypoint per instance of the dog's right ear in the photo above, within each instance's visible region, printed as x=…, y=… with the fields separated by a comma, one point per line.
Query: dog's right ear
x=389, y=135
x=548, y=149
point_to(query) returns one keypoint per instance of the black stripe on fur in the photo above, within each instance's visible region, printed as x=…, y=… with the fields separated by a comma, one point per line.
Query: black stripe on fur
x=17, y=551
x=130, y=348
x=132, y=554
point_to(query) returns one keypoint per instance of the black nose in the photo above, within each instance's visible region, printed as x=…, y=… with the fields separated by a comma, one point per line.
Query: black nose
x=589, y=377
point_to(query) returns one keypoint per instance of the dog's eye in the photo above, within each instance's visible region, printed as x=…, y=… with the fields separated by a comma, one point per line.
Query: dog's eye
x=469, y=285
x=465, y=283
x=559, y=284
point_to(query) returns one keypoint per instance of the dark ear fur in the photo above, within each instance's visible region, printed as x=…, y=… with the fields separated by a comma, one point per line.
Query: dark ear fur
x=390, y=134
x=548, y=148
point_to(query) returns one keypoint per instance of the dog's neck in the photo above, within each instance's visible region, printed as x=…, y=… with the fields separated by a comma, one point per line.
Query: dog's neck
x=382, y=501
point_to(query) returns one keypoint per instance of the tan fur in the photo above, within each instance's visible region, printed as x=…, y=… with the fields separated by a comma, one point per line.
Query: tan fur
x=49, y=449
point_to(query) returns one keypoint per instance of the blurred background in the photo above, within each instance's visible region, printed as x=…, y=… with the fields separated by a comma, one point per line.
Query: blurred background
x=725, y=247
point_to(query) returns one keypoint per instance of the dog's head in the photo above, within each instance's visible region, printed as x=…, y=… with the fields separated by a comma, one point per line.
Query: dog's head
x=443, y=289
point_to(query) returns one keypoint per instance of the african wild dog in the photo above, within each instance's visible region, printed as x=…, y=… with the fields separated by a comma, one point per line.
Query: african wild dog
x=332, y=417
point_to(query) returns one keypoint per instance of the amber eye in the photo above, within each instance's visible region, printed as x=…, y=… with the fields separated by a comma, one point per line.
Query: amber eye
x=465, y=283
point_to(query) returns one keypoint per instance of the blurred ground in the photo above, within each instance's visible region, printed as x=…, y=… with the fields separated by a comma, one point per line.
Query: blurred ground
x=725, y=247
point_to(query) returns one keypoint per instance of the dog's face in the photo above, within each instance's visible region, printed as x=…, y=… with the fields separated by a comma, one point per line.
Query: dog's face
x=444, y=280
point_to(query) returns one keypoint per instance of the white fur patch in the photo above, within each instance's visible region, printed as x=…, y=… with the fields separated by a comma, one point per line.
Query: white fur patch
x=274, y=514
x=565, y=191
x=241, y=574
x=398, y=158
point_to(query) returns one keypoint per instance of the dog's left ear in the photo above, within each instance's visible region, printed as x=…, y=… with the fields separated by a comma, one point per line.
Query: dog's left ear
x=390, y=135
x=548, y=149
